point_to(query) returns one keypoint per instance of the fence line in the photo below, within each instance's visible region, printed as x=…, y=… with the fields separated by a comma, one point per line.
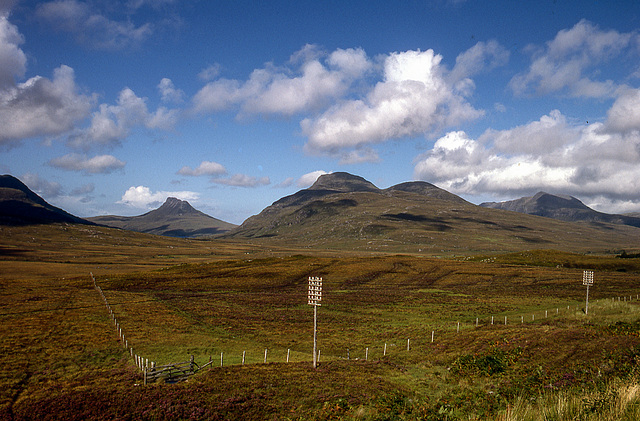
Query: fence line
x=174, y=372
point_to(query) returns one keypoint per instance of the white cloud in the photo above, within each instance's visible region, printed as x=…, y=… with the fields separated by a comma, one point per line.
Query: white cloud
x=12, y=58
x=624, y=114
x=91, y=28
x=42, y=107
x=481, y=57
x=143, y=198
x=169, y=92
x=594, y=161
x=113, y=123
x=359, y=156
x=100, y=164
x=310, y=178
x=210, y=72
x=242, y=180
x=414, y=98
x=549, y=133
x=205, y=168
x=561, y=66
x=287, y=90
x=46, y=189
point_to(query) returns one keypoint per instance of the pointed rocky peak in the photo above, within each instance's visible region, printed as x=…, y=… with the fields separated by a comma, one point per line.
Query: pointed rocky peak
x=175, y=206
x=343, y=182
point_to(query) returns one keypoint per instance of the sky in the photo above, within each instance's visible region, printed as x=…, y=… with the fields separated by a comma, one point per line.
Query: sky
x=110, y=107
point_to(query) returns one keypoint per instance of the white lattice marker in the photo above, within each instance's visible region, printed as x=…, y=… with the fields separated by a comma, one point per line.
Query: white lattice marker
x=587, y=279
x=313, y=298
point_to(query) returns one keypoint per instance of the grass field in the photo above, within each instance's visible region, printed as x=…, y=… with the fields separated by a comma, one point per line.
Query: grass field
x=61, y=357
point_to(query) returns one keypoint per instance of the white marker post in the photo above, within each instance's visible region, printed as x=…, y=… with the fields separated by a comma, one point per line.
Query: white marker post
x=587, y=279
x=313, y=298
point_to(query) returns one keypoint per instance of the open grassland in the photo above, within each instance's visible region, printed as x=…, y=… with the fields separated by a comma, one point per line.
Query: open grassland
x=61, y=358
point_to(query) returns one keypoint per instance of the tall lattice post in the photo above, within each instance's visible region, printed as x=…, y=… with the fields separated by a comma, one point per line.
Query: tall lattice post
x=587, y=279
x=313, y=298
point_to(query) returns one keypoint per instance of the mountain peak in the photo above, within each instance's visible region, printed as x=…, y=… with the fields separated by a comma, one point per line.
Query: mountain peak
x=343, y=182
x=175, y=206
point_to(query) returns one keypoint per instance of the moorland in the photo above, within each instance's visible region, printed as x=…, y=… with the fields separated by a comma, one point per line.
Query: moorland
x=403, y=335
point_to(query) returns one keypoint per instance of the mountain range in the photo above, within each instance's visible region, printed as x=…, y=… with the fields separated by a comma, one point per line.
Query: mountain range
x=346, y=212
x=175, y=218
x=565, y=208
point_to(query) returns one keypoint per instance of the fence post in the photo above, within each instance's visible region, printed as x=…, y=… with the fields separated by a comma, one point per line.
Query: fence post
x=458, y=328
x=222, y=359
x=243, y=355
x=408, y=344
x=366, y=354
x=433, y=332
x=505, y=320
x=288, y=353
x=476, y=322
x=265, y=355
x=384, y=354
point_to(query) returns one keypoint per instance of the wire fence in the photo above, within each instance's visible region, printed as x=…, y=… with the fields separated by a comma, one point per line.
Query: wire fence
x=174, y=372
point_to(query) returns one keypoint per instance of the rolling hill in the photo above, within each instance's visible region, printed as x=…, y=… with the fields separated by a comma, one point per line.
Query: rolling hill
x=21, y=206
x=565, y=208
x=175, y=218
x=344, y=211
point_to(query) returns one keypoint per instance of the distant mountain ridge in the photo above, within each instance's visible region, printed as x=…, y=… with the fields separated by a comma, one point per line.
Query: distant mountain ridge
x=564, y=208
x=21, y=206
x=175, y=218
x=344, y=211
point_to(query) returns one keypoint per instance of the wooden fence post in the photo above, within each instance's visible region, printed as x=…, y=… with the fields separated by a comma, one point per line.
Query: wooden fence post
x=384, y=354
x=288, y=353
x=265, y=355
x=243, y=355
x=408, y=344
x=366, y=354
x=433, y=332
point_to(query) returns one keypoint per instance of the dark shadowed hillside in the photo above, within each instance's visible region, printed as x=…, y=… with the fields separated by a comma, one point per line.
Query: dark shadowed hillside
x=21, y=206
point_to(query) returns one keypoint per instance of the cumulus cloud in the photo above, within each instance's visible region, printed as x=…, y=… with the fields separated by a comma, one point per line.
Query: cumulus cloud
x=100, y=164
x=111, y=124
x=310, y=178
x=91, y=28
x=205, y=168
x=46, y=189
x=563, y=64
x=143, y=198
x=210, y=72
x=169, y=92
x=42, y=107
x=306, y=84
x=593, y=161
x=38, y=106
x=12, y=58
x=624, y=114
x=242, y=180
x=414, y=98
x=481, y=57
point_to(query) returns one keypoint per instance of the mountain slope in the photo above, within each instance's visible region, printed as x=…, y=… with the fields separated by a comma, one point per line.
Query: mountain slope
x=565, y=208
x=21, y=206
x=175, y=218
x=347, y=212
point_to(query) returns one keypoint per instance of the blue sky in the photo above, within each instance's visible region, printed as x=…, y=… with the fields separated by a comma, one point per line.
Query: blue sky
x=109, y=107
